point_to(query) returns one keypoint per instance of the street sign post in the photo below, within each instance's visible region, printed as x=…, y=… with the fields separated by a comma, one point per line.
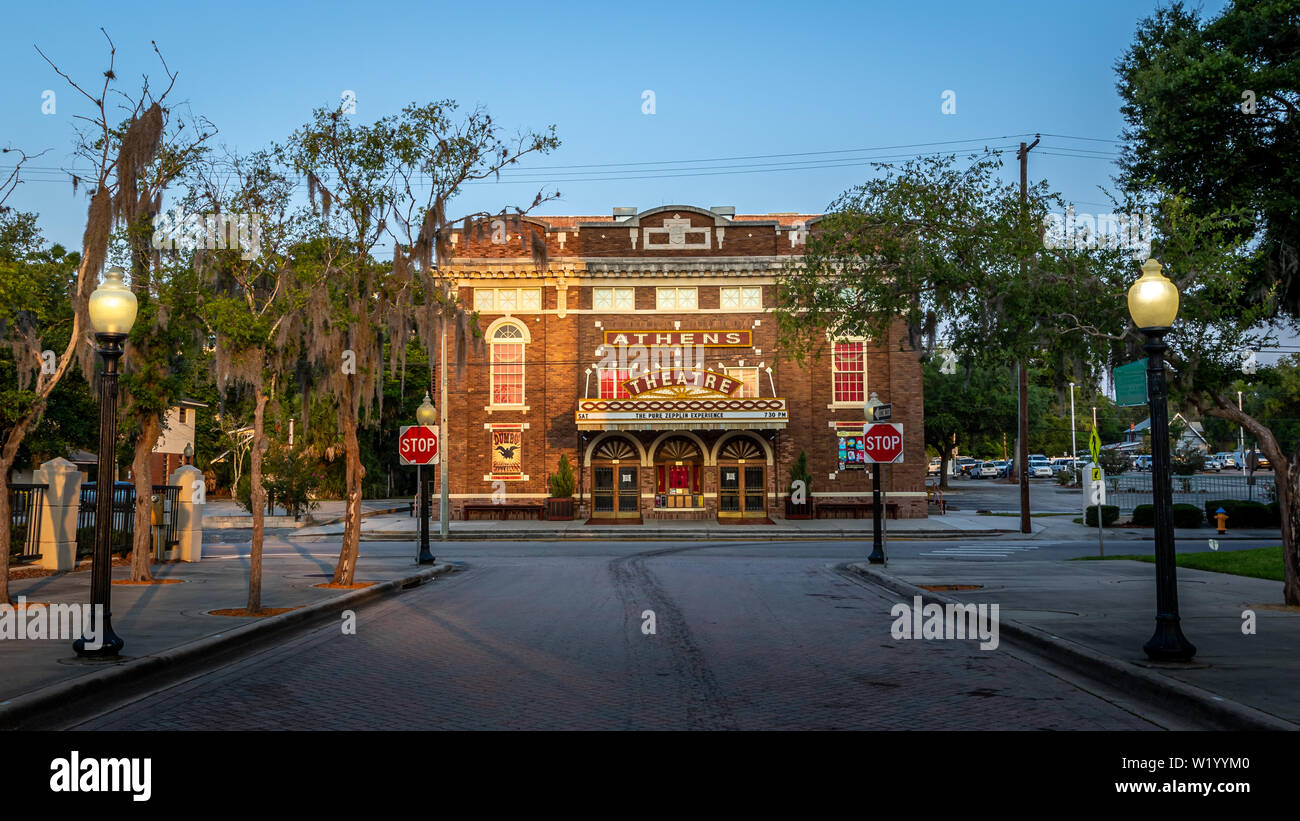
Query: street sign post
x=883, y=413
x=417, y=445
x=1095, y=490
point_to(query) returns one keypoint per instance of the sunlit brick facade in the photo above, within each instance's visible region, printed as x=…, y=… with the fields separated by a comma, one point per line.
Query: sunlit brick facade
x=647, y=353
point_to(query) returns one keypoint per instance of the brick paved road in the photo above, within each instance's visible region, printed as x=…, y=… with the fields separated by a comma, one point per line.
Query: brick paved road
x=555, y=642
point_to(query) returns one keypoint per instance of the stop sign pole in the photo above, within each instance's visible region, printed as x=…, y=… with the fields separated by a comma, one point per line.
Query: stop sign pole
x=882, y=445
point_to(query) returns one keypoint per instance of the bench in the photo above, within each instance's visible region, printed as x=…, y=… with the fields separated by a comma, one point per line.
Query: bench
x=503, y=512
x=852, y=510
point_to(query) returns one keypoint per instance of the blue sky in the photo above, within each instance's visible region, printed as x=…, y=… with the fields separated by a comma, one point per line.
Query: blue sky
x=729, y=81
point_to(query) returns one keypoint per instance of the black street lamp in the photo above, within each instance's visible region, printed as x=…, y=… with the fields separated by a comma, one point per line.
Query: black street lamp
x=112, y=313
x=1153, y=304
x=426, y=415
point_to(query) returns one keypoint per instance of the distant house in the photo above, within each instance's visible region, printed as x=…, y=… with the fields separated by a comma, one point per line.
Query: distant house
x=1193, y=434
x=168, y=453
x=178, y=431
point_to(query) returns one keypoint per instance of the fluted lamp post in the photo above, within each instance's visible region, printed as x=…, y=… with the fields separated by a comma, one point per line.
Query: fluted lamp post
x=877, y=536
x=112, y=313
x=1153, y=304
x=426, y=415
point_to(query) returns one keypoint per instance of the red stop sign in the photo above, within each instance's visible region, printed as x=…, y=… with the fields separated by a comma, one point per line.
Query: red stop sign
x=883, y=442
x=417, y=445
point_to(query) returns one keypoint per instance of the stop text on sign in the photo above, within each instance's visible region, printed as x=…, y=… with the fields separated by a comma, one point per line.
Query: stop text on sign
x=882, y=443
x=417, y=445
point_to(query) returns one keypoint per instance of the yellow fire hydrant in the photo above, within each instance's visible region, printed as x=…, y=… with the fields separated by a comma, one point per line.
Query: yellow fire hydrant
x=1221, y=516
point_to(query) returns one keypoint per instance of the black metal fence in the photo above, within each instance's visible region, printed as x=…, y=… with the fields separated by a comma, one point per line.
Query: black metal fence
x=25, y=505
x=123, y=521
x=1128, y=490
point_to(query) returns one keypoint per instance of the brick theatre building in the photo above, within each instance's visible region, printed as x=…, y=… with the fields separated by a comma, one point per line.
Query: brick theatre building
x=648, y=354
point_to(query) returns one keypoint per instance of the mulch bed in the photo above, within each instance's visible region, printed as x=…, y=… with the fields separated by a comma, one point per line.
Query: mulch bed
x=149, y=581
x=83, y=565
x=244, y=612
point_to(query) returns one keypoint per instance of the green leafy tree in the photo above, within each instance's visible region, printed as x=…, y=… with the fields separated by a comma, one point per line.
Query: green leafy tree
x=1210, y=107
x=1229, y=183
x=113, y=155
x=393, y=178
x=968, y=410
x=251, y=302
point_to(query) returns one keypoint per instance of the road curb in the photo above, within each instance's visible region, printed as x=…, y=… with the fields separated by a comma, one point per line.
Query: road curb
x=15, y=711
x=623, y=534
x=1179, y=697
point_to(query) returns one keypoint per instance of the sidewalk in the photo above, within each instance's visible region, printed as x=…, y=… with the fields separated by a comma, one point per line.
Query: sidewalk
x=401, y=526
x=219, y=514
x=168, y=623
x=1108, y=608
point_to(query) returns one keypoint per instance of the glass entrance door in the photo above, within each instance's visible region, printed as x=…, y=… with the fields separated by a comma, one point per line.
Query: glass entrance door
x=742, y=491
x=615, y=492
x=629, y=493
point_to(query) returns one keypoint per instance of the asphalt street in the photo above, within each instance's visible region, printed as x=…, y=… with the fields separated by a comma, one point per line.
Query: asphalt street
x=554, y=635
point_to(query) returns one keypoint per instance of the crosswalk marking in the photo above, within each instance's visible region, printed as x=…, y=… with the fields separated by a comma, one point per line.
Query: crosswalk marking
x=992, y=550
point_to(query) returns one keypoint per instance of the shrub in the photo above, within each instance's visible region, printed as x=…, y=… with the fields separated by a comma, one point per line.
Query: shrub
x=1109, y=513
x=799, y=473
x=562, y=482
x=1187, y=516
x=1144, y=515
x=1244, y=514
x=1064, y=477
x=291, y=483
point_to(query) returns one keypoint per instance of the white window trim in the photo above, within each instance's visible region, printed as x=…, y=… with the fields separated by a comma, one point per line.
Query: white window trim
x=600, y=371
x=758, y=379
x=519, y=300
x=866, y=381
x=524, y=339
x=613, y=297
x=675, y=288
x=740, y=298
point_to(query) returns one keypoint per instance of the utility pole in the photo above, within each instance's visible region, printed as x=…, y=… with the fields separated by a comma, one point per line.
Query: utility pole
x=1022, y=446
x=444, y=458
x=1074, y=444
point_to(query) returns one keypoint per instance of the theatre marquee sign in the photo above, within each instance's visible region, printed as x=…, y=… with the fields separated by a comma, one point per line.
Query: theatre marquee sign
x=680, y=339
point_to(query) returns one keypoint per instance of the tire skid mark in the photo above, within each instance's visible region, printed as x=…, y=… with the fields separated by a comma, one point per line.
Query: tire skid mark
x=706, y=706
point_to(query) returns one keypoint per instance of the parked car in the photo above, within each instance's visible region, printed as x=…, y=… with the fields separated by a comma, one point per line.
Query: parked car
x=986, y=470
x=963, y=466
x=1063, y=464
x=1040, y=470
x=1228, y=460
x=1004, y=467
x=1142, y=462
x=1262, y=462
x=933, y=469
x=1212, y=464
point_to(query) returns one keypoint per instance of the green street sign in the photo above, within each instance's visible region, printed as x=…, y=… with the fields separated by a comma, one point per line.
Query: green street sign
x=1094, y=447
x=1131, y=383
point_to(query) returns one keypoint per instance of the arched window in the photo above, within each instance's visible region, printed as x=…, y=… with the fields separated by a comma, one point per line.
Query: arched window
x=508, y=365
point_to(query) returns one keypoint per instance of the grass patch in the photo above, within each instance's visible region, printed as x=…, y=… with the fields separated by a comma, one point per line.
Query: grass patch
x=1260, y=563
